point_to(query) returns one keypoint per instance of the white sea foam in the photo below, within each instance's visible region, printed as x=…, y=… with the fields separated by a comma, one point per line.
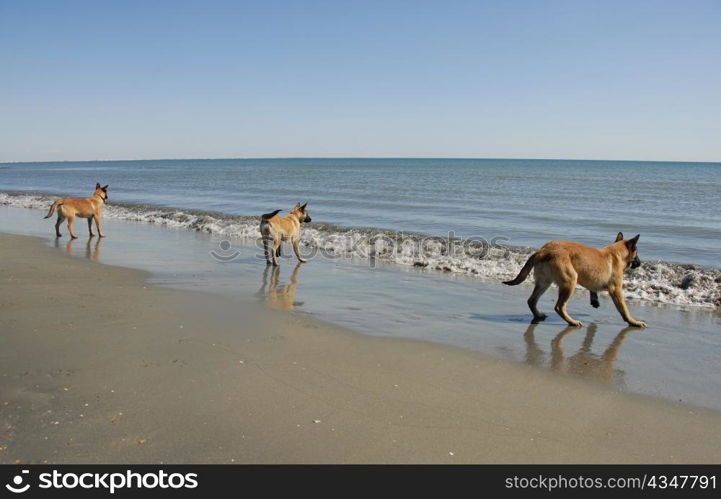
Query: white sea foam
x=658, y=282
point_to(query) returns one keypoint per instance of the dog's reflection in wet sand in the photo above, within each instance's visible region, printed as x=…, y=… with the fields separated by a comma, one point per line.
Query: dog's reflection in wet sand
x=280, y=297
x=584, y=362
x=92, y=251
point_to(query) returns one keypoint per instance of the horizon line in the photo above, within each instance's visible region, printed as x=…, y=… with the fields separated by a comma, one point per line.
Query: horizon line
x=353, y=157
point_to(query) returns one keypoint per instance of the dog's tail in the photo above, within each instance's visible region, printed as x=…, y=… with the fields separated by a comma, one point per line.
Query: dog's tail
x=533, y=260
x=52, y=208
x=268, y=216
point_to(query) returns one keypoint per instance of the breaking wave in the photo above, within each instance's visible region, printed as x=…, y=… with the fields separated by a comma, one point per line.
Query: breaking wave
x=655, y=281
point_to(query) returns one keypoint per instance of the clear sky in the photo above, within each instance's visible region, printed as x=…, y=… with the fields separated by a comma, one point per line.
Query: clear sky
x=83, y=80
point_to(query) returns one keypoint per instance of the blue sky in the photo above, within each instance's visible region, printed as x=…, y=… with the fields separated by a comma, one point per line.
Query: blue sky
x=559, y=79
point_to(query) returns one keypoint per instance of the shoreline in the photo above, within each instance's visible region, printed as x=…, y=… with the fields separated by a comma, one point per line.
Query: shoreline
x=656, y=282
x=100, y=367
x=524, y=250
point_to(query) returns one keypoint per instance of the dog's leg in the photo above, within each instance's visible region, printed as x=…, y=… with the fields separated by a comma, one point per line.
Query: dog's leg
x=296, y=249
x=71, y=221
x=276, y=245
x=566, y=282
x=266, y=249
x=540, y=288
x=594, y=300
x=565, y=292
x=57, y=224
x=278, y=251
x=616, y=293
x=99, y=225
x=90, y=227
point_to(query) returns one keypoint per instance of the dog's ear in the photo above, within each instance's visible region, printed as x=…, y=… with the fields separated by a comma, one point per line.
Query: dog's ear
x=631, y=243
x=97, y=185
x=297, y=205
x=303, y=207
x=619, y=237
x=106, y=187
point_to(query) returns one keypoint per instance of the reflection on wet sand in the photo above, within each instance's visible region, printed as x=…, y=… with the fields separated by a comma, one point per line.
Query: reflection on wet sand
x=92, y=251
x=281, y=297
x=584, y=362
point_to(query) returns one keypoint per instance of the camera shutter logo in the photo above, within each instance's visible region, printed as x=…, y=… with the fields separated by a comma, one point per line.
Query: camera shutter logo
x=226, y=253
x=17, y=486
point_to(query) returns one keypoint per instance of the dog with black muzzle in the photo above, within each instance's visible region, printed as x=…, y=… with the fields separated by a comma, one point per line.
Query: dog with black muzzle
x=275, y=229
x=90, y=208
x=567, y=263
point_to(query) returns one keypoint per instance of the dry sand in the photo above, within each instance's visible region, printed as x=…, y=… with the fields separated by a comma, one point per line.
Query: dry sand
x=97, y=367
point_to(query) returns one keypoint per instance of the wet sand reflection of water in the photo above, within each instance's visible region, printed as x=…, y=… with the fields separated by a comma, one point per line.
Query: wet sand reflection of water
x=583, y=362
x=280, y=297
x=92, y=251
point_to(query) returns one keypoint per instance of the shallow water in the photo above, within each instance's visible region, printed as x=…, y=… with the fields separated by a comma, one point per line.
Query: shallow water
x=677, y=358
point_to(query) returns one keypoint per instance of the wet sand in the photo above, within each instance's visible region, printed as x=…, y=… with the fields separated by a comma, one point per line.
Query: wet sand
x=99, y=367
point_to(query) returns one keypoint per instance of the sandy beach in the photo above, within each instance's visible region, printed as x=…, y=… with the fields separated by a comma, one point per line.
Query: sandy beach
x=100, y=367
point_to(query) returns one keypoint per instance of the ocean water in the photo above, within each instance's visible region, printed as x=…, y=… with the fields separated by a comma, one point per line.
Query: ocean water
x=479, y=218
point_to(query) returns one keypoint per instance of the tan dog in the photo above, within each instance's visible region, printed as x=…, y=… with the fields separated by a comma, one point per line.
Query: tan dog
x=275, y=229
x=90, y=208
x=597, y=269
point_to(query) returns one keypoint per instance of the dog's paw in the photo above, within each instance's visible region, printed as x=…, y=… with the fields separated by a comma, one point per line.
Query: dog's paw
x=595, y=304
x=638, y=324
x=302, y=260
x=539, y=318
x=575, y=323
